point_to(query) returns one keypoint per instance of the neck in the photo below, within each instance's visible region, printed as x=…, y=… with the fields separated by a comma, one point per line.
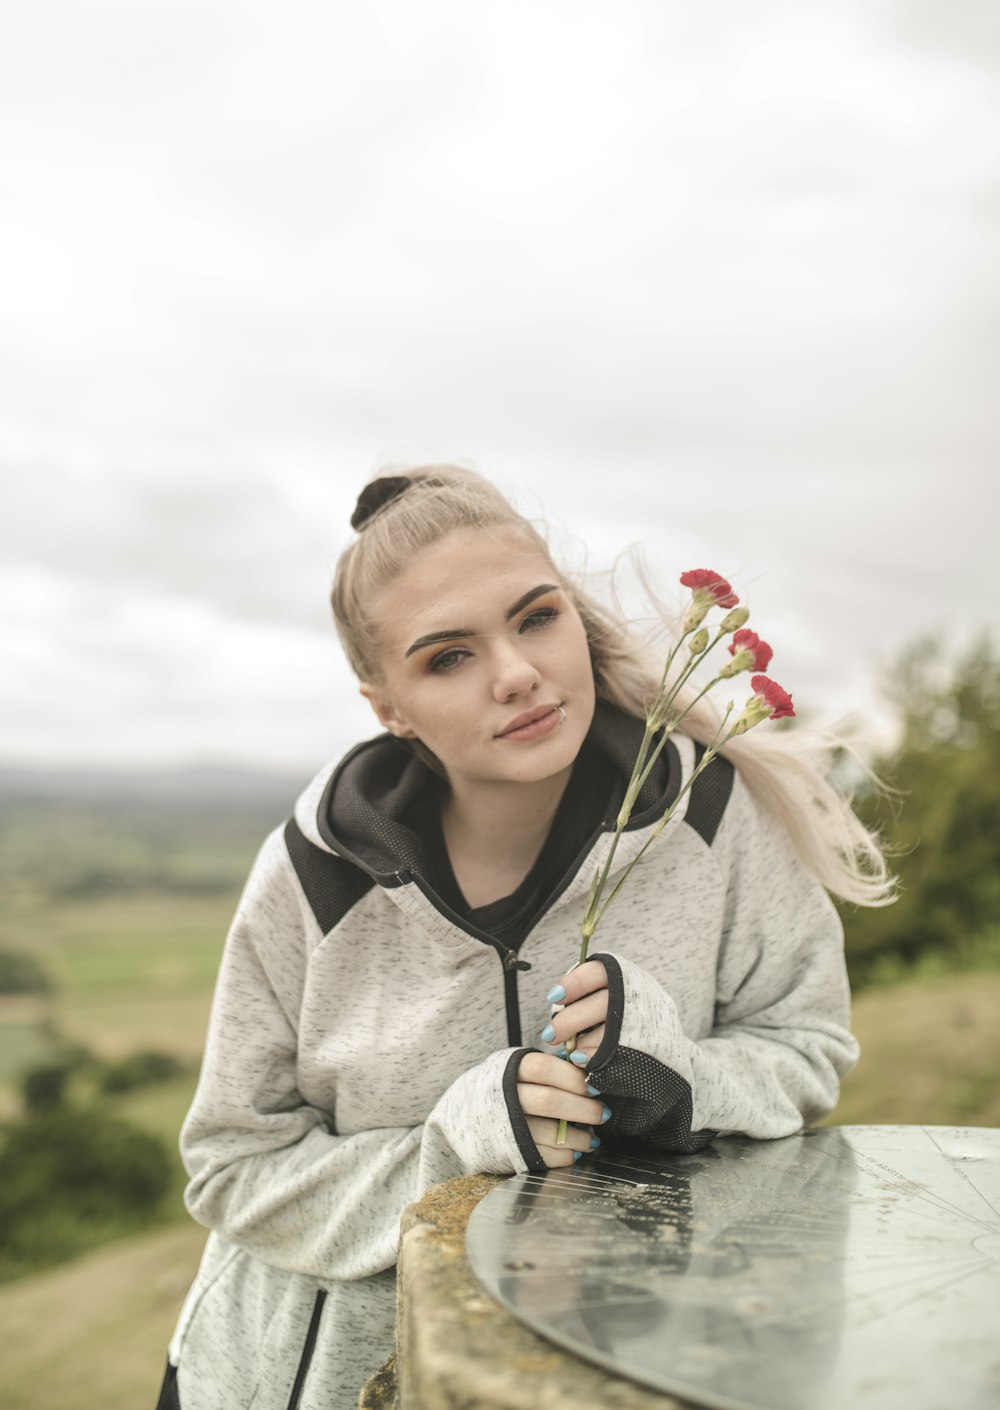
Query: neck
x=503, y=824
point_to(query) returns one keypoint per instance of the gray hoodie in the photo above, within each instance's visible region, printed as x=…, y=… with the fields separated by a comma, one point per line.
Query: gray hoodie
x=365, y=1039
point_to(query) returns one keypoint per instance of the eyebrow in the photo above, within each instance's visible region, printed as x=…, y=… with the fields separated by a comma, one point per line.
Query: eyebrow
x=452, y=632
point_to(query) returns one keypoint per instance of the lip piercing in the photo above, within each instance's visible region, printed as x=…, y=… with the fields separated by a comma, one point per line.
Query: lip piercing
x=562, y=712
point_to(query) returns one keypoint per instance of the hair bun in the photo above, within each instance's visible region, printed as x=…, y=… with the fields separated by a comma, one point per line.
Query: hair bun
x=377, y=495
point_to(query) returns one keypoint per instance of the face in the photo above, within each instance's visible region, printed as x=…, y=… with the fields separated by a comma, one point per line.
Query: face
x=480, y=645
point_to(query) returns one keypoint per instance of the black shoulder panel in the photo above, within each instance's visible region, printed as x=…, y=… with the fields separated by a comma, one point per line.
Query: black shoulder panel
x=332, y=886
x=709, y=795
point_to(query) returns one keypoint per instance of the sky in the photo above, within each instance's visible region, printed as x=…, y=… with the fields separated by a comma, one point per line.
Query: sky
x=718, y=280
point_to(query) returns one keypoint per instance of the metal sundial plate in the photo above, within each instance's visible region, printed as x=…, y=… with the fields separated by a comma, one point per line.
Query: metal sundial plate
x=855, y=1266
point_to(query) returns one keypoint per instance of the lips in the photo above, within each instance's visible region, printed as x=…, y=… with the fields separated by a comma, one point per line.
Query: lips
x=528, y=718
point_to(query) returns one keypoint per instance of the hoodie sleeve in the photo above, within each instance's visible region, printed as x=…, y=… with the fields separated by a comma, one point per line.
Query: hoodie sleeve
x=267, y=1171
x=780, y=1041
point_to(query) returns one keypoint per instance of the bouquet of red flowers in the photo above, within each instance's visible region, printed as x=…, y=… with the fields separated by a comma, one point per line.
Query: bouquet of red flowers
x=768, y=702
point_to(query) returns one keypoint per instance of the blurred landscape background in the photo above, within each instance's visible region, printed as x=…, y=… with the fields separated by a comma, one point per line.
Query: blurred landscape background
x=722, y=282
x=117, y=893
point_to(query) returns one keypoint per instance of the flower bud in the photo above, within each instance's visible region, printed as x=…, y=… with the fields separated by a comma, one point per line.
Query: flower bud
x=698, y=642
x=738, y=617
x=742, y=661
x=696, y=613
x=755, y=711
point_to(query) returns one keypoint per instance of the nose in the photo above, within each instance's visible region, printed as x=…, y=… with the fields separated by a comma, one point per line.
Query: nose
x=513, y=673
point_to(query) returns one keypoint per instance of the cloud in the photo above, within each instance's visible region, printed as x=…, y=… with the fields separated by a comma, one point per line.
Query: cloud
x=724, y=283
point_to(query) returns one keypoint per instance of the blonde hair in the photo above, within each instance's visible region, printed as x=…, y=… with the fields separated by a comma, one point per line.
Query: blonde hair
x=788, y=776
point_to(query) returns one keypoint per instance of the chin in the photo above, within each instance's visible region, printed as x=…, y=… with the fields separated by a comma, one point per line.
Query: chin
x=553, y=761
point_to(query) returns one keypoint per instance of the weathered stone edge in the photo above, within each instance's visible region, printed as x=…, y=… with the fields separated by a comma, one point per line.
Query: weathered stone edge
x=458, y=1349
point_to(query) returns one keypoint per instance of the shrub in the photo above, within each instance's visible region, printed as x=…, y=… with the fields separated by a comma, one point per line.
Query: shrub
x=22, y=974
x=69, y=1179
x=44, y=1087
x=139, y=1070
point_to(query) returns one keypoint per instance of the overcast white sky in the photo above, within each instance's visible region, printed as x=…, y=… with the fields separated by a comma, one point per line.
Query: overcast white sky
x=720, y=278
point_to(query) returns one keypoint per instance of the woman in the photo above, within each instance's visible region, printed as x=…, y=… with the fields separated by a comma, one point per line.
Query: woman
x=396, y=986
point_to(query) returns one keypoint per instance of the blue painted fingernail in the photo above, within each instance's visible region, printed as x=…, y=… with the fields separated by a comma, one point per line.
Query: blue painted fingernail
x=548, y=1033
x=577, y=1155
x=561, y=1052
x=556, y=994
x=593, y=1091
x=595, y=1141
x=581, y=1059
x=606, y=1114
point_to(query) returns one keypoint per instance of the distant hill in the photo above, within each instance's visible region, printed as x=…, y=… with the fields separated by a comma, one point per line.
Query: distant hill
x=77, y=834
x=209, y=784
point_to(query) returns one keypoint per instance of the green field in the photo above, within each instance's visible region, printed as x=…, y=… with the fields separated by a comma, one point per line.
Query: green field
x=121, y=907
x=930, y=1054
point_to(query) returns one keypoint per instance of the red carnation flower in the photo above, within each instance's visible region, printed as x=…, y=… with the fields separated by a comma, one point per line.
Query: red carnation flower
x=747, y=640
x=777, y=698
x=703, y=580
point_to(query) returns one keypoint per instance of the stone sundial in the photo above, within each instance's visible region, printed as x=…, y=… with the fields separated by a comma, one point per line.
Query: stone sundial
x=855, y=1266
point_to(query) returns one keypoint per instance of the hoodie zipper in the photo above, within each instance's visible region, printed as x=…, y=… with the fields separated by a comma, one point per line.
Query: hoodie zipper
x=509, y=959
x=307, y=1350
x=511, y=998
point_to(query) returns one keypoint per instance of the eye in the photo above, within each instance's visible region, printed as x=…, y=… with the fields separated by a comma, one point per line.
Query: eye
x=448, y=660
x=540, y=617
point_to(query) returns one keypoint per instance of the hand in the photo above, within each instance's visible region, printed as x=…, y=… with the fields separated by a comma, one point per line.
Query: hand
x=551, y=1090
x=585, y=1010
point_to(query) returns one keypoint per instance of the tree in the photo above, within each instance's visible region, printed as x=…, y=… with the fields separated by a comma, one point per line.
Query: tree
x=70, y=1178
x=942, y=819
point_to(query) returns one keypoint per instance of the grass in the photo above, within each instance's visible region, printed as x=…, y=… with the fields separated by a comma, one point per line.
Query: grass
x=127, y=973
x=930, y=1054
x=117, y=944
x=115, y=1026
x=95, y=1331
x=23, y=1043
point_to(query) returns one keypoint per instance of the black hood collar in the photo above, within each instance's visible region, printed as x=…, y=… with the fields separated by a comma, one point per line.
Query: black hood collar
x=364, y=810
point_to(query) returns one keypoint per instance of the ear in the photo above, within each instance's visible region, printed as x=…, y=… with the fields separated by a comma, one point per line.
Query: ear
x=386, y=711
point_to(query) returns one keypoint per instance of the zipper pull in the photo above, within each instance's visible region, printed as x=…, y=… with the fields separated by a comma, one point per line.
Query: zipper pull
x=511, y=961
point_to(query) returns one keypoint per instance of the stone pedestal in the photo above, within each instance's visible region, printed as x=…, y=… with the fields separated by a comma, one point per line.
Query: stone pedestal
x=457, y=1349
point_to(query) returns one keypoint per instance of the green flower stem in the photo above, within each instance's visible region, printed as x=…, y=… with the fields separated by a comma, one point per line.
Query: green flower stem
x=657, y=712
x=640, y=772
x=670, y=660
x=689, y=668
x=707, y=757
x=668, y=730
x=591, y=922
x=666, y=697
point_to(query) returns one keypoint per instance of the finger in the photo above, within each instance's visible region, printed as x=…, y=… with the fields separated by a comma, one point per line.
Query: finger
x=586, y=1047
x=545, y=1133
x=554, y=1105
x=556, y=1156
x=550, y=1071
x=576, y=983
x=576, y=1017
